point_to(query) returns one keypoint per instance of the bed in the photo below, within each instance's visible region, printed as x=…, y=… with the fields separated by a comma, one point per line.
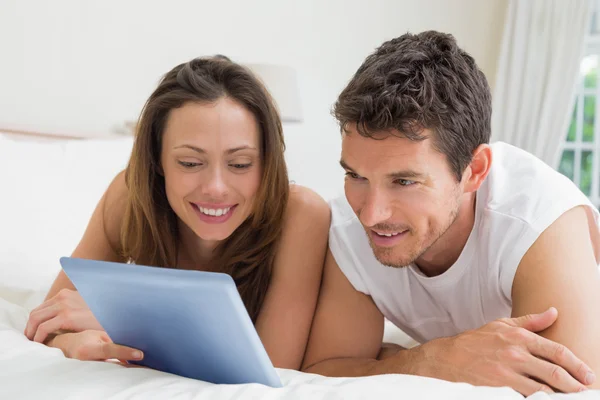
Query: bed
x=50, y=186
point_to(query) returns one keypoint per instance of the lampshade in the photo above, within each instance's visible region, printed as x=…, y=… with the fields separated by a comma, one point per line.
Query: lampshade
x=282, y=84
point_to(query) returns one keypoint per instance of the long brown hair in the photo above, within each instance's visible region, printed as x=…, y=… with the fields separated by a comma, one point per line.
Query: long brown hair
x=149, y=233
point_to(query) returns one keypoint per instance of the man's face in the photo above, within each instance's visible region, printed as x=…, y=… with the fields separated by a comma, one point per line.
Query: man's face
x=403, y=192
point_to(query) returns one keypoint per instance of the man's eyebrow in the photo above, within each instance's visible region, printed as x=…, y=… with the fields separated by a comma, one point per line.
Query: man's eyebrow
x=345, y=166
x=406, y=174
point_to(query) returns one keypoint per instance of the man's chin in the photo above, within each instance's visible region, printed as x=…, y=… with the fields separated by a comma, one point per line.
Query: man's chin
x=385, y=256
x=392, y=263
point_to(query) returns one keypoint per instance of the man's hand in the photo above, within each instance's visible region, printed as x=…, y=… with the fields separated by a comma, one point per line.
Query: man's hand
x=505, y=352
x=64, y=312
x=348, y=329
x=93, y=346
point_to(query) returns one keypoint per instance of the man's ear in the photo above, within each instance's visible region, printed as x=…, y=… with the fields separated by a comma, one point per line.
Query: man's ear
x=478, y=168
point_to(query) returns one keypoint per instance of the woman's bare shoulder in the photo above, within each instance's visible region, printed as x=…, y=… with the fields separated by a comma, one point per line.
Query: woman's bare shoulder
x=102, y=237
x=306, y=207
x=113, y=209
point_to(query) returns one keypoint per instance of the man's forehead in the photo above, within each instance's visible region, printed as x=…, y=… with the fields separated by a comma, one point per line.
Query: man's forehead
x=385, y=145
x=389, y=154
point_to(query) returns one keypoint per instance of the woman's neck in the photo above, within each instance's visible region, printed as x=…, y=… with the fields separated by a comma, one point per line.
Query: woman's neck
x=194, y=252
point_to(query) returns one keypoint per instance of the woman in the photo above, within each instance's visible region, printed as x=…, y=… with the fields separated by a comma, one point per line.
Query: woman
x=206, y=188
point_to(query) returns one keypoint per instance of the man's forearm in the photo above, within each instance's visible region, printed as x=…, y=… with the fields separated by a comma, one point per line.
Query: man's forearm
x=403, y=362
x=388, y=350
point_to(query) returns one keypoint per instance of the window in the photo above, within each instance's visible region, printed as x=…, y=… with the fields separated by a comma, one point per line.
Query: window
x=580, y=152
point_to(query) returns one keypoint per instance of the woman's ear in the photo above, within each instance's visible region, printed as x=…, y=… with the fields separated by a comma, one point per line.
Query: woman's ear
x=478, y=168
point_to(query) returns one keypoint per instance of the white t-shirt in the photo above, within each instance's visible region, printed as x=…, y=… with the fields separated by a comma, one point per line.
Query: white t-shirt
x=518, y=200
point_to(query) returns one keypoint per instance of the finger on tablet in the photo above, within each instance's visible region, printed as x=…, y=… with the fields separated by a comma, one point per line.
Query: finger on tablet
x=111, y=350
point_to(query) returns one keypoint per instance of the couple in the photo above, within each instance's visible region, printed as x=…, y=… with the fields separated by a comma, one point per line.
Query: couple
x=480, y=252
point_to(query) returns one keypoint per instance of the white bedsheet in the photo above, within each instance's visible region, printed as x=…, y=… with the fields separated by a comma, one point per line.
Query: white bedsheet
x=32, y=371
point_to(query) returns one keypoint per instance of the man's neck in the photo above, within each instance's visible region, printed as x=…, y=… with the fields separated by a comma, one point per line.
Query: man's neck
x=446, y=250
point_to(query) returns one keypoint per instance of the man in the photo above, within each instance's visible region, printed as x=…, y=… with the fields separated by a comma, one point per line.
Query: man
x=449, y=237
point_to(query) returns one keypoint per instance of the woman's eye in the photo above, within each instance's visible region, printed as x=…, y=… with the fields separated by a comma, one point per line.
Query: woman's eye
x=187, y=164
x=241, y=166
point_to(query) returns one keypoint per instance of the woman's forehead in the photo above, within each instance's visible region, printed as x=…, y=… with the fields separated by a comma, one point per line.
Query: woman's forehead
x=224, y=123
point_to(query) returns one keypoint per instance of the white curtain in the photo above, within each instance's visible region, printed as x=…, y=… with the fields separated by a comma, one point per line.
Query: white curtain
x=538, y=70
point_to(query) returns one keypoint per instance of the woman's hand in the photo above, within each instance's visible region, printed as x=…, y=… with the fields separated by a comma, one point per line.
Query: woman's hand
x=92, y=345
x=64, y=312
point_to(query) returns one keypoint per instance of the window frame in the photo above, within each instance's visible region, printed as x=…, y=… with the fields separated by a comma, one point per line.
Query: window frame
x=591, y=47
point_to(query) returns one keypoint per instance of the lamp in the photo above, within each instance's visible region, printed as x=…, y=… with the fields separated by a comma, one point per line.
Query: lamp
x=281, y=82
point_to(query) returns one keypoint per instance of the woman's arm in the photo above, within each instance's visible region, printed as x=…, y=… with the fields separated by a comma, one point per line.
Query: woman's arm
x=92, y=345
x=101, y=238
x=64, y=309
x=286, y=316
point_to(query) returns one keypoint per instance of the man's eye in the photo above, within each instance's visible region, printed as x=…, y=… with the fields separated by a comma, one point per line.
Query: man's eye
x=405, y=182
x=352, y=175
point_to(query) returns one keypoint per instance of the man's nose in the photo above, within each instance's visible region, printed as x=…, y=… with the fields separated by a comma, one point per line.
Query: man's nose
x=376, y=209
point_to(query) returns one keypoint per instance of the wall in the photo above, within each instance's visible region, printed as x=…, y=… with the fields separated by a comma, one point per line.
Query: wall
x=86, y=66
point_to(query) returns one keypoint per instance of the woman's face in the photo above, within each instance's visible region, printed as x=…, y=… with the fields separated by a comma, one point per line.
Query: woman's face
x=212, y=165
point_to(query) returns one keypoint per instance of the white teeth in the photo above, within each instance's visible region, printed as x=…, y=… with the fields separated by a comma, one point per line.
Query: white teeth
x=387, y=234
x=214, y=212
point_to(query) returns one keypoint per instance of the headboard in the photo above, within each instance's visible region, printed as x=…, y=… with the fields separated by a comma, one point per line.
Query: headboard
x=45, y=135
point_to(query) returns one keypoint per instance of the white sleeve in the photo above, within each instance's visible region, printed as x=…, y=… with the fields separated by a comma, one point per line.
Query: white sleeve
x=532, y=231
x=342, y=242
x=338, y=244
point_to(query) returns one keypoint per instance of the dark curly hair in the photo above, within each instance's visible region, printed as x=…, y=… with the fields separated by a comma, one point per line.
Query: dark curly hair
x=416, y=82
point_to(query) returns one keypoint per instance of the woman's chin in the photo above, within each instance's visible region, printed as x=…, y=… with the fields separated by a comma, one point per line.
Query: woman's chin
x=213, y=236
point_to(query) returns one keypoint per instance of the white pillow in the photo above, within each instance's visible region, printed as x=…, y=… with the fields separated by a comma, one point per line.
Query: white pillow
x=31, y=176
x=49, y=191
x=90, y=167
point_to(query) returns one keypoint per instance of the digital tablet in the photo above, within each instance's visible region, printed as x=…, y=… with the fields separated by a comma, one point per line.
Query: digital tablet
x=189, y=323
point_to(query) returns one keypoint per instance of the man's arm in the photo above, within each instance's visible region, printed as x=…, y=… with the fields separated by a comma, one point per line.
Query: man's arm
x=347, y=324
x=347, y=332
x=560, y=270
